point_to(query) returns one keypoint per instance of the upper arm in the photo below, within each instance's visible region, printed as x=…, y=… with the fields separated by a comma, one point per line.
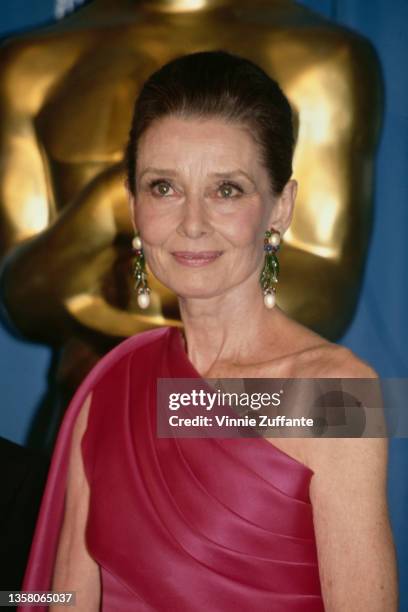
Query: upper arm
x=354, y=541
x=75, y=570
x=348, y=491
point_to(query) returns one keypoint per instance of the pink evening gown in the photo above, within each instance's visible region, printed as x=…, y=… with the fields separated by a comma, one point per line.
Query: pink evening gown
x=178, y=524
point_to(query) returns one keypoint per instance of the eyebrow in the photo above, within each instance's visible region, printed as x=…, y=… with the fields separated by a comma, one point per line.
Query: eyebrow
x=233, y=173
x=167, y=171
x=170, y=172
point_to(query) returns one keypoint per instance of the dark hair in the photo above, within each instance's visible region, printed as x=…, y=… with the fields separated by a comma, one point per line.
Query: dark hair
x=222, y=85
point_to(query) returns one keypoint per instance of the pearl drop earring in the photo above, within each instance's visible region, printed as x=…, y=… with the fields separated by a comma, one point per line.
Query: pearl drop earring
x=140, y=273
x=270, y=270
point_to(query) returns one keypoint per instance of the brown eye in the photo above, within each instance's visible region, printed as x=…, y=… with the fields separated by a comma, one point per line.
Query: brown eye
x=161, y=188
x=229, y=190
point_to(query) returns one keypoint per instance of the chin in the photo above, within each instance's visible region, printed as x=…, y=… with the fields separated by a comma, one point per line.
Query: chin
x=185, y=291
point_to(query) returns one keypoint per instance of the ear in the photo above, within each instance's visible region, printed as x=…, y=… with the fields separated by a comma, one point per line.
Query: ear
x=132, y=204
x=283, y=208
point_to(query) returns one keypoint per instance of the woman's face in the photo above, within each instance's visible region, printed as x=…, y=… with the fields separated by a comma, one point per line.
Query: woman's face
x=201, y=188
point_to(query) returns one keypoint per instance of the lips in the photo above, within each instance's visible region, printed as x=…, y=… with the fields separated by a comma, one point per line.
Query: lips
x=197, y=254
x=196, y=258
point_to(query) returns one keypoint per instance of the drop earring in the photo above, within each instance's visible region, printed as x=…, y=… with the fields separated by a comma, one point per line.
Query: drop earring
x=270, y=270
x=140, y=273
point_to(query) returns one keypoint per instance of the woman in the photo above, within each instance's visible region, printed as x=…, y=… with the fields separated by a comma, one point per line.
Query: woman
x=183, y=524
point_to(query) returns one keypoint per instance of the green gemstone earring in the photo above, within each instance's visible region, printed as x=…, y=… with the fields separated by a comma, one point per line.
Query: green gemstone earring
x=270, y=270
x=140, y=273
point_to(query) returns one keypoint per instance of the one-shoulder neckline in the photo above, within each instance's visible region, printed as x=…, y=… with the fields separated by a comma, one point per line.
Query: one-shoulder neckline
x=175, y=333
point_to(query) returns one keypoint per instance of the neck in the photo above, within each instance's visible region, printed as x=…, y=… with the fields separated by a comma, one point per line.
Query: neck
x=234, y=328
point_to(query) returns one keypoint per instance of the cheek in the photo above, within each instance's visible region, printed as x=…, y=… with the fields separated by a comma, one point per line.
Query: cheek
x=153, y=227
x=242, y=230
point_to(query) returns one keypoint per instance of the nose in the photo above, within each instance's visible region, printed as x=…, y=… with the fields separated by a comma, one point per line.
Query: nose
x=194, y=222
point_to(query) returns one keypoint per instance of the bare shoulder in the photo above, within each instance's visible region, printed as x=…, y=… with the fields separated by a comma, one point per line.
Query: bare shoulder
x=345, y=458
x=313, y=356
x=296, y=351
x=341, y=455
x=330, y=360
x=321, y=358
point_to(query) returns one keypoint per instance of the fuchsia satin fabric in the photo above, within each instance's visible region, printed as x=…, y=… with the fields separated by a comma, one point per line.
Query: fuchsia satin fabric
x=180, y=524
